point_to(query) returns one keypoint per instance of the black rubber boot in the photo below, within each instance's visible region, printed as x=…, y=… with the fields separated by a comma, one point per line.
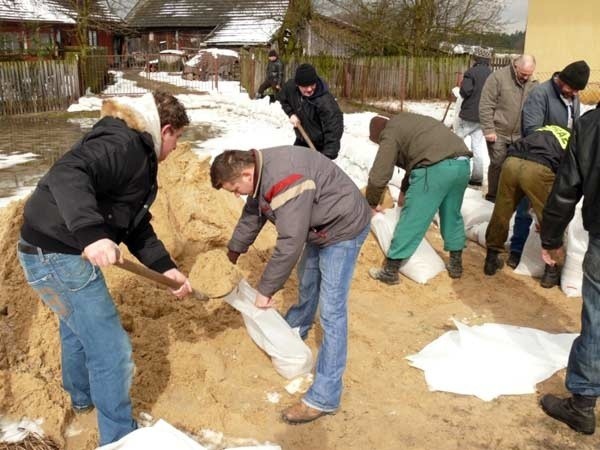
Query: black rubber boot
x=388, y=273
x=493, y=262
x=576, y=411
x=551, y=276
x=454, y=266
x=513, y=260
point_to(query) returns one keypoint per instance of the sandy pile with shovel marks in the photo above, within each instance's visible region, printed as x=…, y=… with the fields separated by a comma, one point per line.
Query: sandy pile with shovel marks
x=197, y=368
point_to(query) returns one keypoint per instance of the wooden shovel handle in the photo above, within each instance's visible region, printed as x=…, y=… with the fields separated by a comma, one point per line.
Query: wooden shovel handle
x=150, y=274
x=305, y=137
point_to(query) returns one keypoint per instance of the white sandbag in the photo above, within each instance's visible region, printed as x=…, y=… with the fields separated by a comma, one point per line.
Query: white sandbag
x=531, y=262
x=492, y=359
x=475, y=209
x=577, y=243
x=423, y=265
x=291, y=357
x=476, y=233
x=160, y=436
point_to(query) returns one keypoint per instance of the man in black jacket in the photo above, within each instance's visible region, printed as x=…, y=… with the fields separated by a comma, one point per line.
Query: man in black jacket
x=468, y=122
x=528, y=171
x=274, y=78
x=96, y=196
x=576, y=178
x=307, y=101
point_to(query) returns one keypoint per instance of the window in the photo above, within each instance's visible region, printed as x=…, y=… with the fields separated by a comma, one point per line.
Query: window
x=9, y=43
x=92, y=38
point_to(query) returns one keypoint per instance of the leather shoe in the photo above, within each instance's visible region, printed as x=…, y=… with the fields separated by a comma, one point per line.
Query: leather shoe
x=301, y=413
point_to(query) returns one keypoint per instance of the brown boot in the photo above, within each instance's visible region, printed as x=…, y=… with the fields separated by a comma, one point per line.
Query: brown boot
x=301, y=413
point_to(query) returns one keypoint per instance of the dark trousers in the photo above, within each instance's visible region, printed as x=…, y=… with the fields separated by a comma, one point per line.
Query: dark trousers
x=519, y=178
x=266, y=85
x=497, y=151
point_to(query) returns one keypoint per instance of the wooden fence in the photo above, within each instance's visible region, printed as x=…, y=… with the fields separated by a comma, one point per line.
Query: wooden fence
x=363, y=78
x=37, y=86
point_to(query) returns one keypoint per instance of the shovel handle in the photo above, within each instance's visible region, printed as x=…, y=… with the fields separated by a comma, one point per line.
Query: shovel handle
x=305, y=137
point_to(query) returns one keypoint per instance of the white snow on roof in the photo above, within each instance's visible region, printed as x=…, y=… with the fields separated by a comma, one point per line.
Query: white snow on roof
x=172, y=52
x=245, y=30
x=30, y=10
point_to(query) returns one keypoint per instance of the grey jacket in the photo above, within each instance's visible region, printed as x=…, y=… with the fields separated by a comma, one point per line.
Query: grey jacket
x=501, y=103
x=544, y=106
x=308, y=198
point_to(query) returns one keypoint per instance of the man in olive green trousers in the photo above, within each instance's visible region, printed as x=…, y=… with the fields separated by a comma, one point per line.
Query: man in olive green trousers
x=528, y=171
x=437, y=173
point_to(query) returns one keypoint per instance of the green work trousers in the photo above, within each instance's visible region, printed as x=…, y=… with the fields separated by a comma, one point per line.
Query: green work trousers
x=437, y=187
x=518, y=178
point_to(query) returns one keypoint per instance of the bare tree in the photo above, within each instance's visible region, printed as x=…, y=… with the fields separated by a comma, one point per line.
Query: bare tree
x=416, y=26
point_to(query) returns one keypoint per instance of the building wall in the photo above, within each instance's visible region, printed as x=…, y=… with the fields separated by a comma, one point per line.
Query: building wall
x=559, y=33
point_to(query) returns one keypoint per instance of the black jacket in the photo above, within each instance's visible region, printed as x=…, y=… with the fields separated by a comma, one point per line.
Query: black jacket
x=544, y=106
x=577, y=176
x=470, y=90
x=101, y=188
x=545, y=146
x=275, y=72
x=319, y=115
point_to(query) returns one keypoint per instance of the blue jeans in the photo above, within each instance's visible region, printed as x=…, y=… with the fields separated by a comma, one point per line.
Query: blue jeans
x=96, y=353
x=583, y=370
x=521, y=227
x=325, y=275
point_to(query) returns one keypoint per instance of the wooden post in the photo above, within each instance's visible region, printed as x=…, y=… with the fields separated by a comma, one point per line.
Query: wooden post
x=402, y=89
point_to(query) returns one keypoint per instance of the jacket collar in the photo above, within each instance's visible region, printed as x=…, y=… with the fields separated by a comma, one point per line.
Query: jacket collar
x=258, y=166
x=139, y=113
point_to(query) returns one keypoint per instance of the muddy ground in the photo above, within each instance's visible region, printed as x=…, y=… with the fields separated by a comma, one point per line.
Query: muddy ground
x=198, y=369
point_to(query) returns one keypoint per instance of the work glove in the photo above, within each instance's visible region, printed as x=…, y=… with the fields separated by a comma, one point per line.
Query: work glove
x=232, y=256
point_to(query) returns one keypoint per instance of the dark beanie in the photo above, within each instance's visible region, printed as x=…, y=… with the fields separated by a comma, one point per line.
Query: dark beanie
x=376, y=126
x=272, y=53
x=305, y=75
x=576, y=75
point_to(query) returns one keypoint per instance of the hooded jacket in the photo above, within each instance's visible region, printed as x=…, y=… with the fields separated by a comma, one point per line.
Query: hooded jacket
x=544, y=106
x=577, y=176
x=308, y=198
x=319, y=115
x=275, y=72
x=103, y=188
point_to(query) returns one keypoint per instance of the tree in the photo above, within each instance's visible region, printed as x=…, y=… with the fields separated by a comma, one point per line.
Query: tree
x=416, y=27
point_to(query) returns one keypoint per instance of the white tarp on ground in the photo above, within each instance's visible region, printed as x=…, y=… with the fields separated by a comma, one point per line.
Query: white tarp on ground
x=163, y=436
x=490, y=360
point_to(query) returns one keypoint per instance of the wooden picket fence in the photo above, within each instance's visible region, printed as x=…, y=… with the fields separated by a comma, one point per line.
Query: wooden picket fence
x=362, y=78
x=37, y=86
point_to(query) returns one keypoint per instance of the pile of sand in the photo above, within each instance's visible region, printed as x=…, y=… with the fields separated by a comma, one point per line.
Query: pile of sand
x=197, y=368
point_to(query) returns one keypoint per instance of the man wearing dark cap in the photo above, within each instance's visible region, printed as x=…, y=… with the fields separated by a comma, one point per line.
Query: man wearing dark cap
x=553, y=102
x=274, y=78
x=307, y=101
x=556, y=101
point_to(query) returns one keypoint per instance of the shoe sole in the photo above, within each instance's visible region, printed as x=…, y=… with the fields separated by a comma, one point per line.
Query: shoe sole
x=550, y=414
x=301, y=421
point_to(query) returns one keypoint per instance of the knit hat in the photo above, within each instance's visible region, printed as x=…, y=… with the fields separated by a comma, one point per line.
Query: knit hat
x=576, y=75
x=306, y=75
x=376, y=127
x=272, y=52
x=483, y=53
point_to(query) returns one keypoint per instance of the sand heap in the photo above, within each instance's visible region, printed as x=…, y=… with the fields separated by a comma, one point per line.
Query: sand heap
x=195, y=222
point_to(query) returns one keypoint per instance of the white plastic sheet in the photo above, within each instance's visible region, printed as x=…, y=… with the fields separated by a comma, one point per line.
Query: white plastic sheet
x=492, y=359
x=577, y=243
x=291, y=357
x=424, y=264
x=160, y=436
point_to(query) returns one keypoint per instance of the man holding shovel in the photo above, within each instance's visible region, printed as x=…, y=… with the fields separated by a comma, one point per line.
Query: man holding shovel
x=93, y=198
x=313, y=111
x=322, y=220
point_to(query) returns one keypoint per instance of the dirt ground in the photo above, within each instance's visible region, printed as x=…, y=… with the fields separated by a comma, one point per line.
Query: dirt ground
x=198, y=369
